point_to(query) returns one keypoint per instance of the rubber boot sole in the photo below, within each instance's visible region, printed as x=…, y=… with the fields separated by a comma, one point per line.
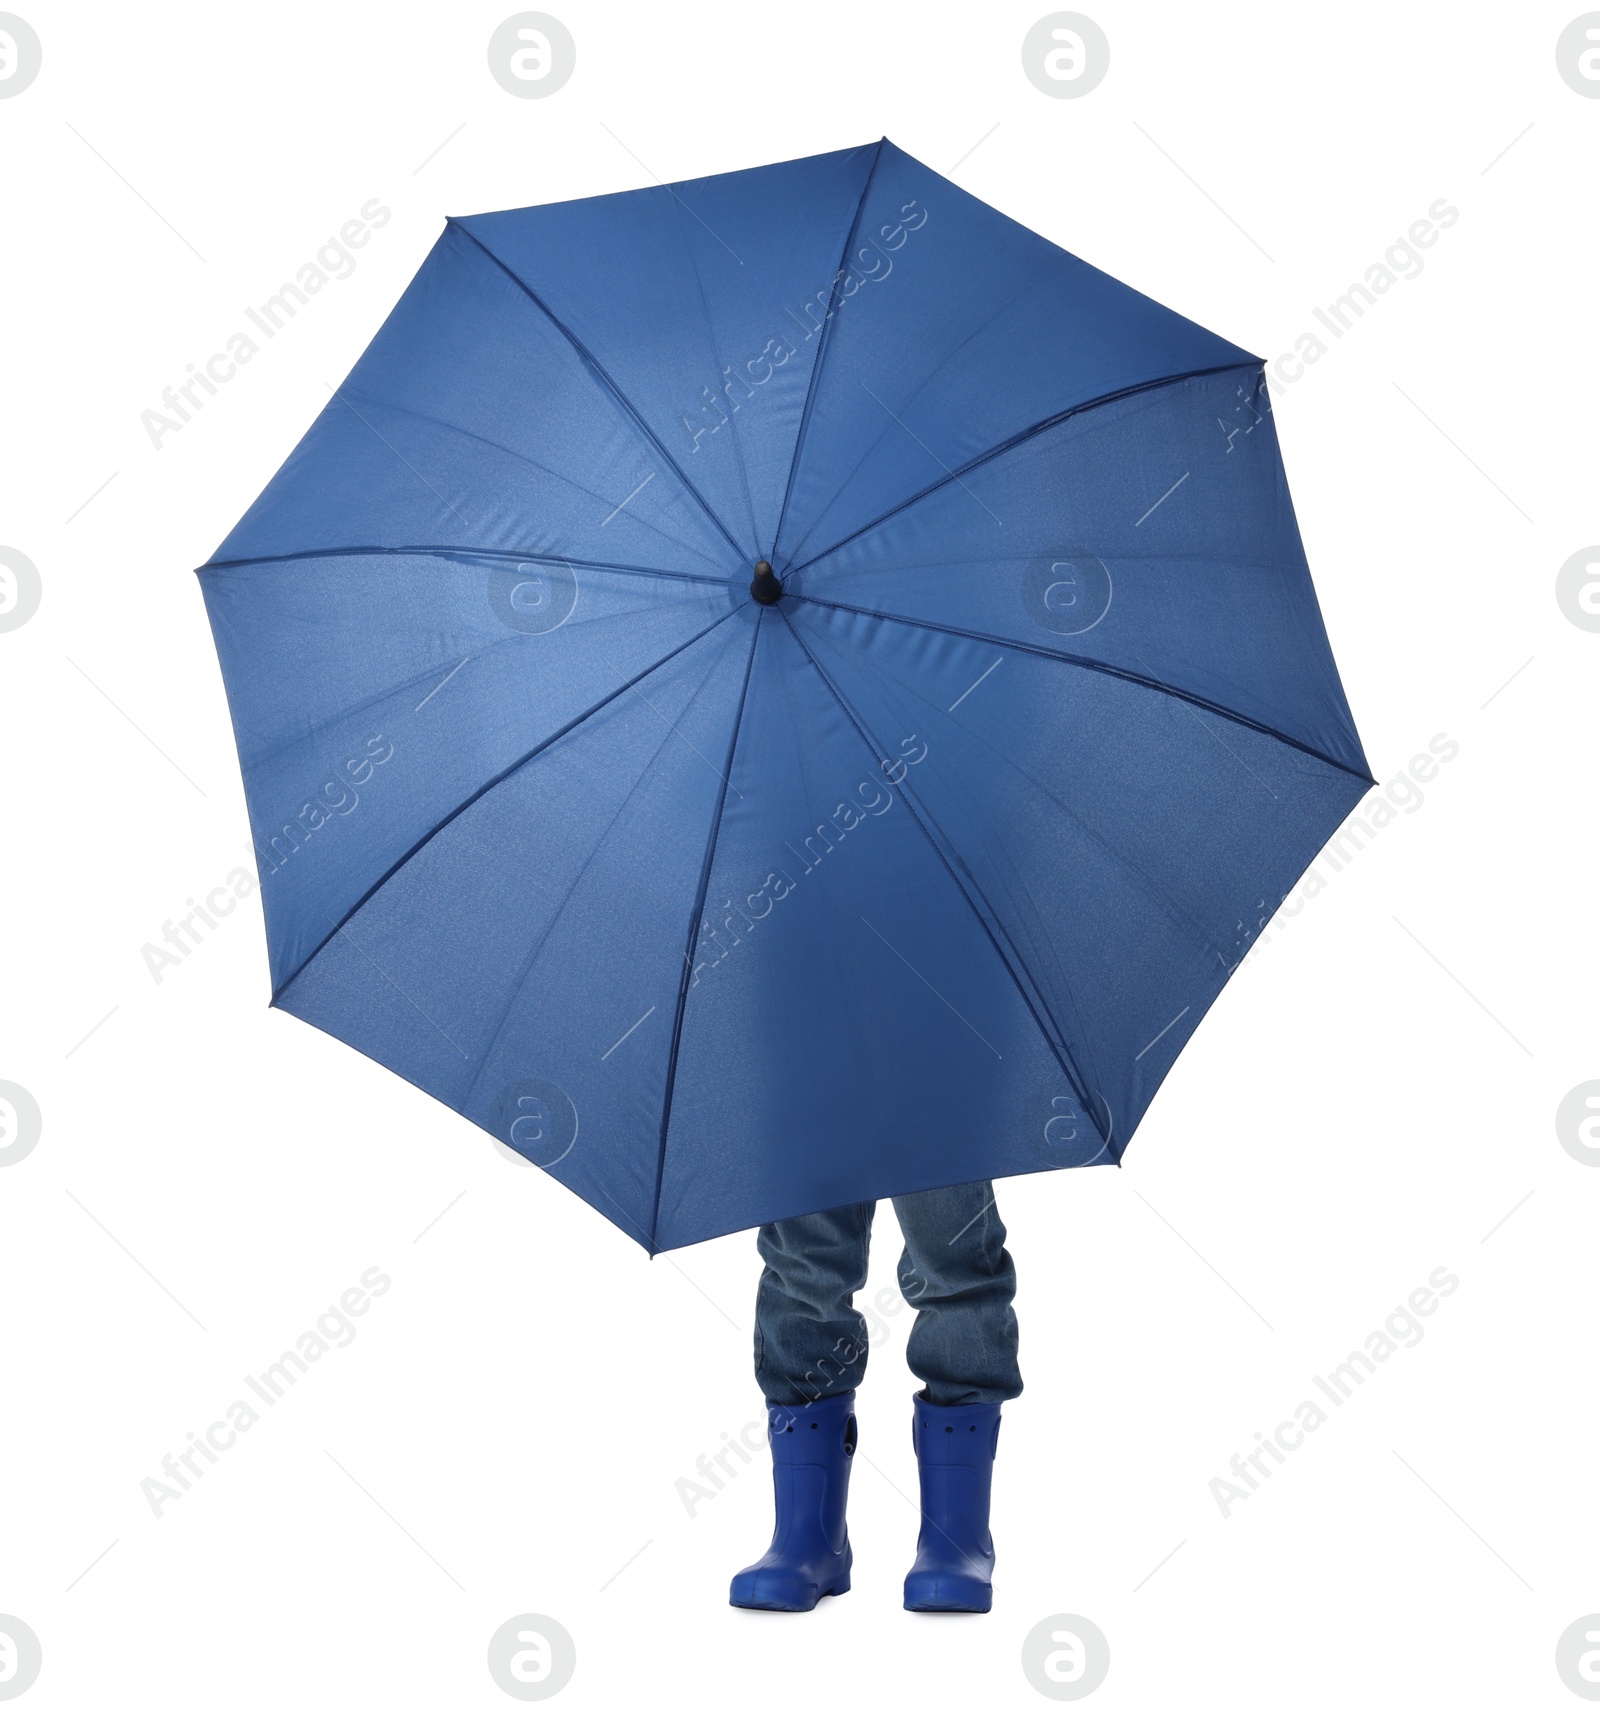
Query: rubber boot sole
x=840, y=1586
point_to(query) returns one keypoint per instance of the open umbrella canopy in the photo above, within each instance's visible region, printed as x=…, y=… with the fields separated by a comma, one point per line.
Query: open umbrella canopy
x=778, y=690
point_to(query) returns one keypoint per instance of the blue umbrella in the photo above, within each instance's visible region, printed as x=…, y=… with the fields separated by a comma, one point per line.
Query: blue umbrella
x=778, y=690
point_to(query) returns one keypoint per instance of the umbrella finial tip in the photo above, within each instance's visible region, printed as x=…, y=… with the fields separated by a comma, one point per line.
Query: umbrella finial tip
x=765, y=586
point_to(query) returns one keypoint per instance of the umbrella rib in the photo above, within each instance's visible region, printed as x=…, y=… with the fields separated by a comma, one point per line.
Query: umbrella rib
x=822, y=348
x=626, y=405
x=694, y=935
x=1060, y=1053
x=435, y=550
x=467, y=803
x=1015, y=440
x=1104, y=667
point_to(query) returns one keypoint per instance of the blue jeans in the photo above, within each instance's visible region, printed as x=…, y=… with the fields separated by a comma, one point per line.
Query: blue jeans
x=811, y=1343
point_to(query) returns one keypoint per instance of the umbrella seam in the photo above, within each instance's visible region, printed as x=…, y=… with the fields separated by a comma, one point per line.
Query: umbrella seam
x=694, y=934
x=467, y=803
x=1016, y=440
x=823, y=343
x=439, y=551
x=716, y=358
x=1170, y=907
x=1060, y=1054
x=892, y=421
x=346, y=393
x=621, y=399
x=308, y=734
x=1103, y=667
x=413, y=682
x=566, y=898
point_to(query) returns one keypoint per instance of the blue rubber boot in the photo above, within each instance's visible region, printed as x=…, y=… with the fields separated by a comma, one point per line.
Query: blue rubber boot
x=812, y=1446
x=955, y=1552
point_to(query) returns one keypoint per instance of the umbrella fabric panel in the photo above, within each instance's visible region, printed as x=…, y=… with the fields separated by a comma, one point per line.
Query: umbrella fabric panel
x=703, y=304
x=502, y=965
x=373, y=694
x=471, y=422
x=981, y=331
x=1126, y=845
x=1153, y=533
x=851, y=1029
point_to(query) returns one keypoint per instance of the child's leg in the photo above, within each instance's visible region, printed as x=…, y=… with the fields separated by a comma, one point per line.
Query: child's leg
x=963, y=1346
x=810, y=1343
x=956, y=1273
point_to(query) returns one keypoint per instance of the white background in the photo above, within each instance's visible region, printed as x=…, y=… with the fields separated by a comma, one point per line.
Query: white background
x=1368, y=1101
